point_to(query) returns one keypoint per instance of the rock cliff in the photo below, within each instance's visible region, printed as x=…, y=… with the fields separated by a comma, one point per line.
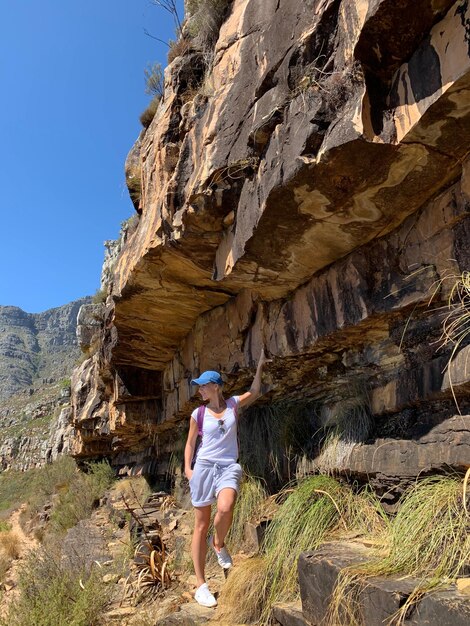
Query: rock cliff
x=36, y=345
x=304, y=184
x=37, y=354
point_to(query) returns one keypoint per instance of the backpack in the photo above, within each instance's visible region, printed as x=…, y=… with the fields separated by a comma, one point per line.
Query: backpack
x=231, y=404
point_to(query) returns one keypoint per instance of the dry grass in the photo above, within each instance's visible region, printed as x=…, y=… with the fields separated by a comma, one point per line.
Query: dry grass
x=362, y=514
x=249, y=503
x=349, y=424
x=456, y=324
x=246, y=581
x=206, y=19
x=10, y=544
x=146, y=118
x=428, y=540
x=4, y=567
x=135, y=490
x=316, y=509
x=178, y=48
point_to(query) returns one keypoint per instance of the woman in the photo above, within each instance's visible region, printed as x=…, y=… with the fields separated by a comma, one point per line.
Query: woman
x=216, y=475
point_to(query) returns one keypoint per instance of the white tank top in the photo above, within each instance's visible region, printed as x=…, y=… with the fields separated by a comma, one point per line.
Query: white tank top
x=219, y=441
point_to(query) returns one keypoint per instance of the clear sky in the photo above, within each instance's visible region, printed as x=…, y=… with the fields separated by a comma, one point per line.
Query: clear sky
x=72, y=90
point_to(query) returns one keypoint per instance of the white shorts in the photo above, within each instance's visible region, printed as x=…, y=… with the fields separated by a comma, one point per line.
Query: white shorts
x=209, y=479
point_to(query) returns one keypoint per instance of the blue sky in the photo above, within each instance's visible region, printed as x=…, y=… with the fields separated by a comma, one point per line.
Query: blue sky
x=72, y=84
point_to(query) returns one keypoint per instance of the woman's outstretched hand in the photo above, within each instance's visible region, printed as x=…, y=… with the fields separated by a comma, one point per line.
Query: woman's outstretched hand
x=263, y=359
x=255, y=390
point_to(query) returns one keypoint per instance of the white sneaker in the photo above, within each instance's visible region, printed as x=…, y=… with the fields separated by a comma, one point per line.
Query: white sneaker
x=223, y=557
x=204, y=597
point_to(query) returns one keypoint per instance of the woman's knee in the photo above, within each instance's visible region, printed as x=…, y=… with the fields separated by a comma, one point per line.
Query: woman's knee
x=201, y=526
x=225, y=508
x=226, y=501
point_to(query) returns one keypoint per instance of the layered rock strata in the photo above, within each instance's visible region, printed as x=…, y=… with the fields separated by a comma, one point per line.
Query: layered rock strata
x=308, y=190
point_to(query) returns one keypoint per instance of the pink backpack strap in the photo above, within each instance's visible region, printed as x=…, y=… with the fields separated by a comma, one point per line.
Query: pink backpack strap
x=200, y=419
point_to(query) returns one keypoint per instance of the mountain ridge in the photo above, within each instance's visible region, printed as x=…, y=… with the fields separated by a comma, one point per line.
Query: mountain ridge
x=37, y=354
x=36, y=345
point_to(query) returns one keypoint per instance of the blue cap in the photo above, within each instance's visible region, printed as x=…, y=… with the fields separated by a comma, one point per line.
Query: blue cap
x=208, y=377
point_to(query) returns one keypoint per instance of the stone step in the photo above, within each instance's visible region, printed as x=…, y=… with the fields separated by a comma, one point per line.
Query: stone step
x=379, y=598
x=190, y=614
x=289, y=614
x=254, y=535
x=119, y=614
x=318, y=571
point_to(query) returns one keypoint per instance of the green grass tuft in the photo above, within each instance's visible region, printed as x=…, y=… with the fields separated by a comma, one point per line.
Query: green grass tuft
x=318, y=508
x=429, y=533
x=302, y=523
x=80, y=496
x=249, y=503
x=51, y=595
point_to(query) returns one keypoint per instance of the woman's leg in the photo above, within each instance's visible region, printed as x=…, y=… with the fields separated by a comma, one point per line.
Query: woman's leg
x=223, y=518
x=199, y=542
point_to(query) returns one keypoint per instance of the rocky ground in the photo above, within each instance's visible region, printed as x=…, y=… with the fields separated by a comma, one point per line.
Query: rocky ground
x=27, y=543
x=112, y=544
x=104, y=541
x=176, y=605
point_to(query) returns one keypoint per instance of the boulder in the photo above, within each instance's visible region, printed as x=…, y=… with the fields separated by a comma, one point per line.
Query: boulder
x=289, y=614
x=377, y=599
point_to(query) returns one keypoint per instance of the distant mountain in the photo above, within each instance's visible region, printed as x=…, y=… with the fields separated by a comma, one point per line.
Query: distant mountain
x=36, y=346
x=37, y=355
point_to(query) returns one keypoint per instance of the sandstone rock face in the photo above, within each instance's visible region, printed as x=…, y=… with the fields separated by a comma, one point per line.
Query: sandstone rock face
x=113, y=249
x=89, y=323
x=387, y=461
x=308, y=191
x=60, y=435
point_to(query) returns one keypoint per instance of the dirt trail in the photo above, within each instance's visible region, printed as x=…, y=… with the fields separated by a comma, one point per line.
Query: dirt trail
x=27, y=543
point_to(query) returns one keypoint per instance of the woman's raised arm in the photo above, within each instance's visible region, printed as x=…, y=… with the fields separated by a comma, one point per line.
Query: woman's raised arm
x=255, y=390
